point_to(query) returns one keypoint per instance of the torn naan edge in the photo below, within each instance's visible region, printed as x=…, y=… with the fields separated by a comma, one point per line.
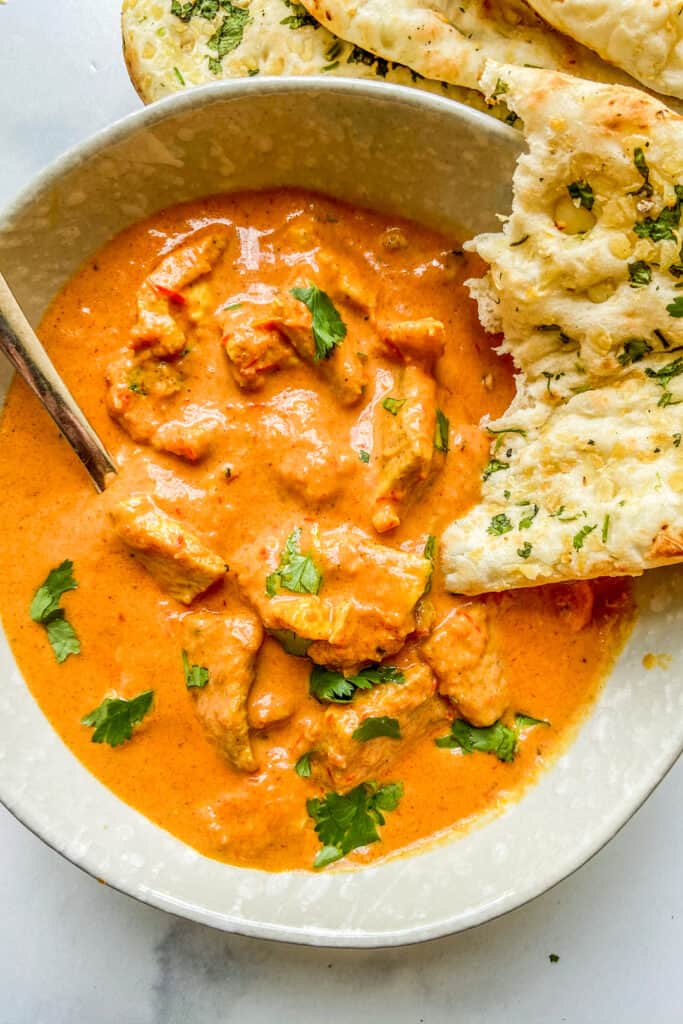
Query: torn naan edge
x=167, y=52
x=585, y=476
x=451, y=40
x=643, y=37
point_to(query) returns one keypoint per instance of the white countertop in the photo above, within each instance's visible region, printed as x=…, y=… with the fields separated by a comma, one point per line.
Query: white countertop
x=74, y=951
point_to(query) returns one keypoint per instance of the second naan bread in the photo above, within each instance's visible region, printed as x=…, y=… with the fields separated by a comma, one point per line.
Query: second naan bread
x=585, y=476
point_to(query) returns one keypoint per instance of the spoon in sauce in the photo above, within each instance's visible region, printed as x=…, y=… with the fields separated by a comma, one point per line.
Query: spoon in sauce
x=20, y=344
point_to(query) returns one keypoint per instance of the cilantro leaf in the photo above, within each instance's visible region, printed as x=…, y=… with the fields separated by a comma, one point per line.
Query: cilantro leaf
x=646, y=188
x=528, y=519
x=303, y=766
x=498, y=739
x=525, y=550
x=364, y=456
x=296, y=572
x=579, y=538
x=299, y=16
x=430, y=553
x=331, y=687
x=196, y=676
x=329, y=329
x=290, y=641
x=675, y=308
x=44, y=609
x=663, y=377
x=393, y=405
x=228, y=35
x=345, y=822
x=635, y=349
x=116, y=717
x=46, y=600
x=640, y=273
x=372, y=728
x=494, y=466
x=499, y=524
x=582, y=191
x=442, y=432
x=661, y=227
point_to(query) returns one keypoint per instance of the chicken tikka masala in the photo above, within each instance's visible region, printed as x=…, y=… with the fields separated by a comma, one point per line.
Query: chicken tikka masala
x=251, y=623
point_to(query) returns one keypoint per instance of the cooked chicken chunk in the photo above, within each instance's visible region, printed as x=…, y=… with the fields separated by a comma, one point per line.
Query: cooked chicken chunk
x=464, y=658
x=365, y=607
x=172, y=553
x=255, y=349
x=414, y=341
x=405, y=445
x=341, y=761
x=227, y=648
x=160, y=298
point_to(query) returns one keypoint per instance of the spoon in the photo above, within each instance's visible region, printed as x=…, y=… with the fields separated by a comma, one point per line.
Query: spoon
x=20, y=344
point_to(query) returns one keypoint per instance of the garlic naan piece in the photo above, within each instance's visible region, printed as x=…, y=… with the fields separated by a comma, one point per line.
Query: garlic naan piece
x=586, y=468
x=644, y=37
x=167, y=52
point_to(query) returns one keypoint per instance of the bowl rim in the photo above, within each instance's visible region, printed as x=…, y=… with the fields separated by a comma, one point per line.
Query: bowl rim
x=118, y=130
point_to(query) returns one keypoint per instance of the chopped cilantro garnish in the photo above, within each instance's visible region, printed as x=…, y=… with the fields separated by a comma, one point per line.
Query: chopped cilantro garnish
x=663, y=226
x=582, y=192
x=640, y=273
x=303, y=766
x=605, y=529
x=179, y=75
x=393, y=405
x=329, y=330
x=675, y=308
x=525, y=550
x=498, y=739
x=331, y=687
x=228, y=35
x=441, y=433
x=430, y=552
x=677, y=440
x=635, y=349
x=45, y=610
x=299, y=16
x=579, y=538
x=296, y=572
x=116, y=717
x=373, y=728
x=196, y=676
x=344, y=822
x=364, y=456
x=494, y=466
x=528, y=519
x=663, y=378
x=499, y=524
x=360, y=56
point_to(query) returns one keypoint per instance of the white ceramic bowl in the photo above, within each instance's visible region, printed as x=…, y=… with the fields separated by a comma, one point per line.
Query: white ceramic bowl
x=450, y=167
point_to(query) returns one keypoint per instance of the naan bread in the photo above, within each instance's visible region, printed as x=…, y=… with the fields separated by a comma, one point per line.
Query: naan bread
x=166, y=51
x=644, y=37
x=585, y=283
x=451, y=40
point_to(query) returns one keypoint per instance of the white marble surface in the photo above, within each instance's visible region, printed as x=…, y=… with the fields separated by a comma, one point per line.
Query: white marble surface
x=72, y=950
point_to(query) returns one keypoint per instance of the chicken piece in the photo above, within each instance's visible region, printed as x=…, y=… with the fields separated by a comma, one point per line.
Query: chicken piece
x=463, y=655
x=269, y=706
x=179, y=561
x=574, y=602
x=343, y=762
x=414, y=341
x=405, y=446
x=227, y=647
x=160, y=299
x=254, y=350
x=344, y=283
x=365, y=607
x=343, y=369
x=306, y=459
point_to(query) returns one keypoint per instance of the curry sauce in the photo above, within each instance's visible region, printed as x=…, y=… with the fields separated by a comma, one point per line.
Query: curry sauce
x=278, y=372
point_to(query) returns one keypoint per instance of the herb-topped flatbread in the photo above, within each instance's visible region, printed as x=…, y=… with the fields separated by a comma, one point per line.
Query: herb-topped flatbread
x=585, y=476
x=172, y=44
x=644, y=37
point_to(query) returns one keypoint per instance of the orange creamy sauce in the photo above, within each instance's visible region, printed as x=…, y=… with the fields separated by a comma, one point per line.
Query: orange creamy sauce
x=131, y=632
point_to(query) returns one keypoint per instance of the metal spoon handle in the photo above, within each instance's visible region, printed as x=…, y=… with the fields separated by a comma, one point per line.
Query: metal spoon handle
x=19, y=342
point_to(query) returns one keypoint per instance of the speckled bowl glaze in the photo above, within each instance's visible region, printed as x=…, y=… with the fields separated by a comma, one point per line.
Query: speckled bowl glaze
x=449, y=167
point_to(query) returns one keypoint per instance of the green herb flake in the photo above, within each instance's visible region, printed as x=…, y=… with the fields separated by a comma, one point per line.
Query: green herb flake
x=393, y=405
x=528, y=519
x=303, y=766
x=676, y=440
x=177, y=72
x=494, y=466
x=635, y=349
x=331, y=687
x=196, y=676
x=228, y=35
x=442, y=432
x=499, y=525
x=675, y=308
x=364, y=456
x=329, y=330
x=640, y=273
x=374, y=728
x=554, y=958
x=605, y=529
x=291, y=642
x=430, y=554
x=116, y=717
x=497, y=739
x=44, y=609
x=646, y=188
x=525, y=550
x=345, y=822
x=520, y=241
x=579, y=538
x=299, y=17
x=581, y=192
x=663, y=377
x=296, y=572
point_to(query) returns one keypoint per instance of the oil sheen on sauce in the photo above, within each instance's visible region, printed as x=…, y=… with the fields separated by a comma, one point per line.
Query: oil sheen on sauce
x=130, y=630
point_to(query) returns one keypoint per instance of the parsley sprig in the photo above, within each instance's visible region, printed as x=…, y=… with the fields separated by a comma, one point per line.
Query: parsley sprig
x=45, y=610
